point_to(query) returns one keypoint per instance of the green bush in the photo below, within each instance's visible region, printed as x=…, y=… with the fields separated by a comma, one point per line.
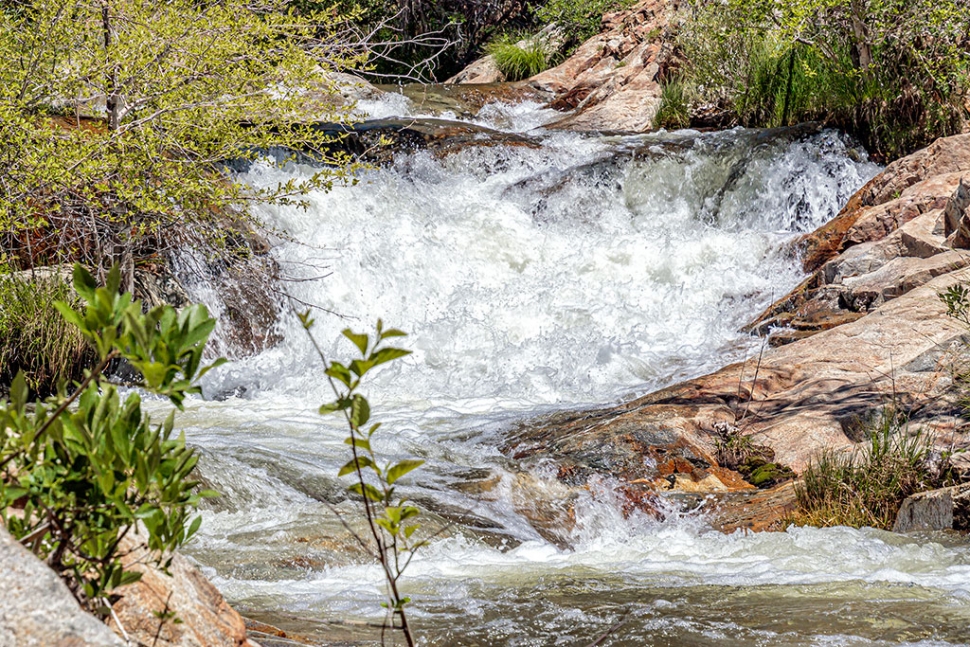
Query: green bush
x=897, y=87
x=79, y=471
x=867, y=488
x=516, y=62
x=579, y=20
x=33, y=337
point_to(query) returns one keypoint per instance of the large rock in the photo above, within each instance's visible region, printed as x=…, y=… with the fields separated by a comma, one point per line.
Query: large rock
x=37, y=609
x=612, y=81
x=482, y=71
x=147, y=608
x=798, y=400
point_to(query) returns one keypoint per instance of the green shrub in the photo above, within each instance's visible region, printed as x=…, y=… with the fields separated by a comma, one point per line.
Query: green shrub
x=516, y=62
x=898, y=89
x=674, y=110
x=33, y=337
x=78, y=472
x=867, y=488
x=579, y=20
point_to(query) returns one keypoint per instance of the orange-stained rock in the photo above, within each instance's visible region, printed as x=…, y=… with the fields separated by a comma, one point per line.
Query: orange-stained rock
x=756, y=511
x=207, y=620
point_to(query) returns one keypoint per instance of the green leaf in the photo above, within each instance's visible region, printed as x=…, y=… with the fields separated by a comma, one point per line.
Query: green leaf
x=360, y=341
x=402, y=468
x=371, y=492
x=358, y=442
x=332, y=407
x=351, y=465
x=359, y=411
x=388, y=354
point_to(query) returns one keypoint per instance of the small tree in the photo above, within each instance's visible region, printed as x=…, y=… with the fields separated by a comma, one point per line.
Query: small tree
x=390, y=517
x=81, y=469
x=118, y=117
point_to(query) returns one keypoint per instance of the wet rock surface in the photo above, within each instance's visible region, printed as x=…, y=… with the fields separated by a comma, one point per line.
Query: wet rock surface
x=147, y=609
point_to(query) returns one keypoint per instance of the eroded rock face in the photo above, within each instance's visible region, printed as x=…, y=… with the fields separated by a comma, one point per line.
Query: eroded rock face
x=146, y=608
x=907, y=226
x=612, y=81
x=941, y=164
x=37, y=609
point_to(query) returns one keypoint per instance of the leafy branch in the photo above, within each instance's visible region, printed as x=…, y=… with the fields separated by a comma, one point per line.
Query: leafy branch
x=390, y=517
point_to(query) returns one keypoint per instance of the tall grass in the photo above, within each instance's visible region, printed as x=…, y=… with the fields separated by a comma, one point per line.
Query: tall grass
x=34, y=338
x=905, y=100
x=867, y=487
x=517, y=61
x=674, y=110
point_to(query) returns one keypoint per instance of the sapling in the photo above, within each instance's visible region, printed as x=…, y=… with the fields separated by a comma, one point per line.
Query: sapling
x=391, y=519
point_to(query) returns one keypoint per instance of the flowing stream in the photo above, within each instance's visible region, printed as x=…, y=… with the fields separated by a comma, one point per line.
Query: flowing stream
x=575, y=270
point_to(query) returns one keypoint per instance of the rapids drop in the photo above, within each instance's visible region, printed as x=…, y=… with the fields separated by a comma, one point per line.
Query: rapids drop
x=571, y=270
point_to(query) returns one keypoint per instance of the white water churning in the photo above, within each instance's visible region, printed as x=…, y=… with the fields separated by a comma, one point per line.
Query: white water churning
x=576, y=270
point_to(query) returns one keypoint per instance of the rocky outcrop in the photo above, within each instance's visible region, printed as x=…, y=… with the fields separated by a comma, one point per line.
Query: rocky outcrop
x=865, y=330
x=905, y=227
x=37, y=609
x=183, y=609
x=612, y=81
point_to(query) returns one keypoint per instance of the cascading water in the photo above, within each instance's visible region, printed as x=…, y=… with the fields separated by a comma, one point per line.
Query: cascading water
x=577, y=270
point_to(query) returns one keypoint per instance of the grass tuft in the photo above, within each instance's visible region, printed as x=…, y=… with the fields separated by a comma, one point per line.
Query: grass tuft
x=516, y=62
x=674, y=110
x=34, y=338
x=867, y=487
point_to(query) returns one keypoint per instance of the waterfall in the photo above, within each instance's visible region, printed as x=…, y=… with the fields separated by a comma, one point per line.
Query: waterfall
x=578, y=270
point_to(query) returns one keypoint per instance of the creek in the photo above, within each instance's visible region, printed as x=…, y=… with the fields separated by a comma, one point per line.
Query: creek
x=568, y=271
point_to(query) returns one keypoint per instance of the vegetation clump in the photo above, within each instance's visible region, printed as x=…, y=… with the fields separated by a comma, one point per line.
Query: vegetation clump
x=33, y=339
x=893, y=73
x=519, y=59
x=81, y=469
x=753, y=461
x=867, y=487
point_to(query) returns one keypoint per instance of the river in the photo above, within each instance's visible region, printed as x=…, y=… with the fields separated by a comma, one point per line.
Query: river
x=578, y=270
